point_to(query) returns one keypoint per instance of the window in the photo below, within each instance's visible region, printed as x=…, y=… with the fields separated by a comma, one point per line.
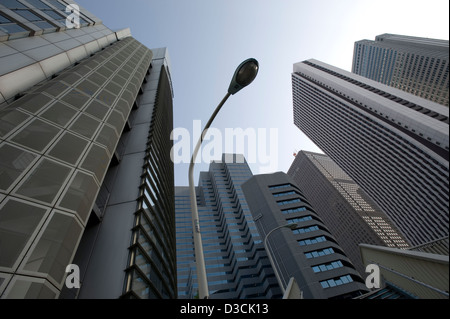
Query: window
x=293, y=210
x=45, y=181
x=312, y=241
x=13, y=162
x=69, y=148
x=327, y=266
x=62, y=10
x=299, y=219
x=10, y=27
x=284, y=194
x=18, y=220
x=38, y=4
x=36, y=20
x=305, y=229
x=13, y=4
x=319, y=253
x=336, y=281
x=287, y=202
x=36, y=135
x=57, y=4
x=280, y=186
x=27, y=14
x=80, y=195
x=54, y=15
x=51, y=253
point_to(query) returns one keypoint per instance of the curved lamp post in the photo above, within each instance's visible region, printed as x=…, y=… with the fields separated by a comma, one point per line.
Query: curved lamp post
x=244, y=75
x=291, y=226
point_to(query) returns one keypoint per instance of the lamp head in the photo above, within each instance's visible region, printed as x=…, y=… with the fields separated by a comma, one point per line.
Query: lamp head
x=244, y=75
x=292, y=226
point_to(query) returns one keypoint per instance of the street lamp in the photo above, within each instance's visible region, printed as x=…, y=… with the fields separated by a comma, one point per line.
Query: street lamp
x=291, y=226
x=244, y=75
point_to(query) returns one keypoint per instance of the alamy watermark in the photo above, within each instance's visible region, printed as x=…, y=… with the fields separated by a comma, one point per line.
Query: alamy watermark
x=73, y=278
x=73, y=19
x=258, y=145
x=373, y=279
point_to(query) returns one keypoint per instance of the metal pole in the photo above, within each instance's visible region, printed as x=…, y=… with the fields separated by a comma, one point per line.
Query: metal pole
x=198, y=247
x=271, y=259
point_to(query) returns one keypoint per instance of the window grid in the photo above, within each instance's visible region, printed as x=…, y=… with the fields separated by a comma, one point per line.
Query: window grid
x=319, y=253
x=284, y=194
x=305, y=229
x=328, y=266
x=10, y=27
x=287, y=202
x=336, y=281
x=299, y=219
x=312, y=241
x=293, y=210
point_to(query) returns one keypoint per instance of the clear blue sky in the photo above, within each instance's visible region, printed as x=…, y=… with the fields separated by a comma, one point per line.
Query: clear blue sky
x=207, y=39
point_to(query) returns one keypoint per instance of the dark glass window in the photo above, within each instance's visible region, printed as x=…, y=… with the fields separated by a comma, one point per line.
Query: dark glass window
x=287, y=202
x=336, y=281
x=62, y=8
x=4, y=20
x=305, y=230
x=55, y=15
x=284, y=194
x=280, y=186
x=38, y=4
x=10, y=27
x=27, y=14
x=57, y=4
x=44, y=25
x=299, y=219
x=293, y=210
x=13, y=4
x=312, y=241
x=36, y=20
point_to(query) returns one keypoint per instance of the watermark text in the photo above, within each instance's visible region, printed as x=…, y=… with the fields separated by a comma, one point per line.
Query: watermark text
x=258, y=145
x=73, y=19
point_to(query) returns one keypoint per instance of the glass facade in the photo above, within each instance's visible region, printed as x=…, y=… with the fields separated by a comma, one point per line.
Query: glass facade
x=391, y=143
x=350, y=214
x=44, y=18
x=152, y=269
x=236, y=263
x=415, y=65
x=62, y=141
x=45, y=159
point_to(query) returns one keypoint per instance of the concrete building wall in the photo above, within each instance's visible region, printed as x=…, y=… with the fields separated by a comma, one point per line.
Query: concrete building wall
x=309, y=253
x=350, y=214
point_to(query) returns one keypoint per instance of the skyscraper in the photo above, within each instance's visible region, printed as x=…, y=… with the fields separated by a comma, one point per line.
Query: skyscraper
x=236, y=263
x=85, y=172
x=419, y=66
x=350, y=214
x=391, y=143
x=309, y=253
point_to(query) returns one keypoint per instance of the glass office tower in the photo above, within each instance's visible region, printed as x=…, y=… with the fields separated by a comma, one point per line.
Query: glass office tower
x=85, y=169
x=236, y=263
x=350, y=214
x=419, y=66
x=393, y=144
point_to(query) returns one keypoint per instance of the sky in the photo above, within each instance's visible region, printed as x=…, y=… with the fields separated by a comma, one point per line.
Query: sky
x=208, y=39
